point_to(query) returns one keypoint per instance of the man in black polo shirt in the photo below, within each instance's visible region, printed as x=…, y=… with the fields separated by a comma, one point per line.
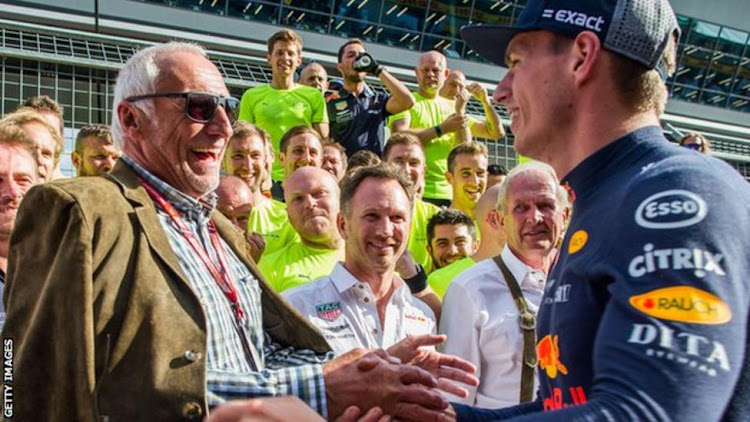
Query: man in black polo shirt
x=357, y=113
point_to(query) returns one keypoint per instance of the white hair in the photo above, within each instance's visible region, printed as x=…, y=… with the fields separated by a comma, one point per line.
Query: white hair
x=561, y=194
x=139, y=76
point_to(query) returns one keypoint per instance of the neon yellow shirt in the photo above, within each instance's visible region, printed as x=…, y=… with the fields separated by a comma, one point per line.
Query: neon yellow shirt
x=440, y=279
x=270, y=220
x=278, y=110
x=297, y=264
x=429, y=112
x=417, y=245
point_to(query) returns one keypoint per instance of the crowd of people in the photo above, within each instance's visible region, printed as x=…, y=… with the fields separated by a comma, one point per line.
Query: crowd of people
x=319, y=250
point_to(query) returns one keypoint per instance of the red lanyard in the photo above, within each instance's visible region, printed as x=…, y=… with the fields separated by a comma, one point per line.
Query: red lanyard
x=222, y=275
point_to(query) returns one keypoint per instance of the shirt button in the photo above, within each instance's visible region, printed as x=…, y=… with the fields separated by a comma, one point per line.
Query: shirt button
x=192, y=355
x=192, y=411
x=367, y=299
x=361, y=286
x=375, y=331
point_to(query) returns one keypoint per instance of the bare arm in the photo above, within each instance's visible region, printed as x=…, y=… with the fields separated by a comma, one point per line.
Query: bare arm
x=491, y=127
x=322, y=129
x=401, y=99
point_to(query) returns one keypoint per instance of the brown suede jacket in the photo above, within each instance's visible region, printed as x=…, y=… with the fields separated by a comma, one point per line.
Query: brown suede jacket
x=101, y=323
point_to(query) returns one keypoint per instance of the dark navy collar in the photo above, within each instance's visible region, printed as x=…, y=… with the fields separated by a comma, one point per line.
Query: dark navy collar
x=616, y=155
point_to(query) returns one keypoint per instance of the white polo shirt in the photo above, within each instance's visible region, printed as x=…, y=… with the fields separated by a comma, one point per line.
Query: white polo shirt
x=344, y=311
x=481, y=321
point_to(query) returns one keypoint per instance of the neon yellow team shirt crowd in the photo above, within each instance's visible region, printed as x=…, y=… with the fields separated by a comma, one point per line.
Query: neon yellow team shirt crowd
x=278, y=110
x=417, y=245
x=298, y=264
x=269, y=219
x=440, y=279
x=428, y=113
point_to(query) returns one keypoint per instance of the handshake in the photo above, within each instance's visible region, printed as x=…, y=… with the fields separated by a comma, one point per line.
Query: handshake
x=364, y=62
x=405, y=383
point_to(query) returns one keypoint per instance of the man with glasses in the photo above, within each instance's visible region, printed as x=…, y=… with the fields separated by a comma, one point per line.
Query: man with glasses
x=645, y=314
x=129, y=298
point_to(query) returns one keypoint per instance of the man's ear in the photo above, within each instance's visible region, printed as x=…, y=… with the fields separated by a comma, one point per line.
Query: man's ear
x=493, y=219
x=75, y=159
x=341, y=224
x=585, y=51
x=282, y=157
x=130, y=118
x=449, y=177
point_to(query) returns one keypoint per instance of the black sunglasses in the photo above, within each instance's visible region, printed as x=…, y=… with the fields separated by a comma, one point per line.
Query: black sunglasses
x=200, y=107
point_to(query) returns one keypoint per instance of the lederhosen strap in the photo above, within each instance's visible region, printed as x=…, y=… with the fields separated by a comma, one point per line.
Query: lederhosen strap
x=527, y=322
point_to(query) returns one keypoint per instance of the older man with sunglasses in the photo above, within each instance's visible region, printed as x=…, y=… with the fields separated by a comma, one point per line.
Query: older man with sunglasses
x=129, y=298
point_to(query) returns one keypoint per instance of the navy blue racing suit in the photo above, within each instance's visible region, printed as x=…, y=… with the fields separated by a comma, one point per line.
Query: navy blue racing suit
x=645, y=314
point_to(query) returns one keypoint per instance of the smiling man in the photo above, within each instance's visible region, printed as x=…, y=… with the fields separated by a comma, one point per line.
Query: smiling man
x=467, y=174
x=283, y=104
x=130, y=289
x=585, y=89
x=480, y=316
x=18, y=173
x=47, y=140
x=451, y=240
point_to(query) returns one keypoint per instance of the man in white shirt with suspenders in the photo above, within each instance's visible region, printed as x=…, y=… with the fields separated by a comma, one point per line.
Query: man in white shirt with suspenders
x=489, y=311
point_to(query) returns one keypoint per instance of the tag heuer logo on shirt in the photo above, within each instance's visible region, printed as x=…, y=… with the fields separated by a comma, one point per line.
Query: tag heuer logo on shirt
x=328, y=311
x=340, y=105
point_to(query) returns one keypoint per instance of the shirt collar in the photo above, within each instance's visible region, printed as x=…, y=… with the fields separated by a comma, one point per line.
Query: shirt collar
x=343, y=280
x=524, y=274
x=367, y=92
x=198, y=210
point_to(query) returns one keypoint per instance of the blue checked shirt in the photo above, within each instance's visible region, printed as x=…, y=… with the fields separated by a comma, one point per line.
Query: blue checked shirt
x=229, y=374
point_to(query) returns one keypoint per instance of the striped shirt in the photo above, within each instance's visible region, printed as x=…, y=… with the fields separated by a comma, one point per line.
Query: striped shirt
x=229, y=373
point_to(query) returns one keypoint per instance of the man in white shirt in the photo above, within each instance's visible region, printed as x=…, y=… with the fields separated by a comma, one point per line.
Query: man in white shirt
x=480, y=315
x=363, y=302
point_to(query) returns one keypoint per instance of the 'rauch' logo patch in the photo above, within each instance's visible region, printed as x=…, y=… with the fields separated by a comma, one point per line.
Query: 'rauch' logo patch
x=684, y=304
x=328, y=311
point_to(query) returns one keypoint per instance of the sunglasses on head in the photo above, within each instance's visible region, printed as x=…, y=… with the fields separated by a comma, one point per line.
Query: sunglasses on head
x=200, y=107
x=696, y=147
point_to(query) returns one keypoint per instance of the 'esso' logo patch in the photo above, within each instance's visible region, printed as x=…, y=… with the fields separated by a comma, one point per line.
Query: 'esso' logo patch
x=671, y=209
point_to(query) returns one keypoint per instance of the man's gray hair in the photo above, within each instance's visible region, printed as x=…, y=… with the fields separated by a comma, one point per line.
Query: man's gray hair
x=502, y=196
x=139, y=77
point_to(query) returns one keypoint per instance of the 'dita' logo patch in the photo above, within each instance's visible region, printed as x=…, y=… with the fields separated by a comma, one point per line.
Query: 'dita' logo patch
x=684, y=304
x=577, y=241
x=328, y=311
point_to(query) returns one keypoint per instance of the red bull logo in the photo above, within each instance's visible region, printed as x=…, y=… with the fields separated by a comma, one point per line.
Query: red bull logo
x=548, y=356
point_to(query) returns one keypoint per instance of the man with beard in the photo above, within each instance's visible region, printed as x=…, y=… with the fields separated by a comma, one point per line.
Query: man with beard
x=480, y=315
x=95, y=152
x=312, y=204
x=18, y=173
x=451, y=240
x=358, y=115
